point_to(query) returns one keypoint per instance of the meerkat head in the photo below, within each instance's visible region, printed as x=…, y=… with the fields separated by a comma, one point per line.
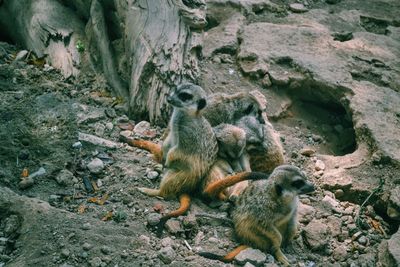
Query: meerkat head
x=254, y=131
x=290, y=179
x=188, y=97
x=231, y=140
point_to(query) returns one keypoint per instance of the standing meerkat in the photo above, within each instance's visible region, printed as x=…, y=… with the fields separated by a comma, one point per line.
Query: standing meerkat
x=265, y=215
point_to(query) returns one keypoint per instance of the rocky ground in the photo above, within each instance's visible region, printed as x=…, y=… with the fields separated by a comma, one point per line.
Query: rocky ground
x=330, y=73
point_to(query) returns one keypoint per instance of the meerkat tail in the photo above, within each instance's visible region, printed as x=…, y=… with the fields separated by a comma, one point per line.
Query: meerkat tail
x=149, y=191
x=212, y=190
x=184, y=201
x=149, y=146
x=227, y=258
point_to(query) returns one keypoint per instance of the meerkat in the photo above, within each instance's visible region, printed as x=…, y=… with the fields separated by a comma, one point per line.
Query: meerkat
x=265, y=213
x=189, y=150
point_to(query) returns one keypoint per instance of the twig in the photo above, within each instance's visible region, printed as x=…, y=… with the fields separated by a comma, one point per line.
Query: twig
x=216, y=217
x=187, y=244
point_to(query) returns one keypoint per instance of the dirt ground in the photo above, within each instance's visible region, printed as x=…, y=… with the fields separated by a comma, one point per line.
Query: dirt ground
x=84, y=210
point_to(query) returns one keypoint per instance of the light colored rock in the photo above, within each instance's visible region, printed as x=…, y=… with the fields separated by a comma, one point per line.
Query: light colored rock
x=167, y=255
x=389, y=251
x=96, y=166
x=142, y=127
x=95, y=140
x=65, y=178
x=329, y=202
x=254, y=256
x=305, y=213
x=316, y=235
x=153, y=218
x=340, y=253
x=173, y=226
x=307, y=152
x=88, y=114
x=393, y=209
x=126, y=133
x=152, y=175
x=298, y=8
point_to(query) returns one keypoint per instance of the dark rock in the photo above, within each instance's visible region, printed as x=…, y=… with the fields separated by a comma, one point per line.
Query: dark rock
x=167, y=255
x=342, y=36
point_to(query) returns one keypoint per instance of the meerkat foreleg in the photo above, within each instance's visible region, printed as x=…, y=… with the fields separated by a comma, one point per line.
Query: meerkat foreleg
x=149, y=191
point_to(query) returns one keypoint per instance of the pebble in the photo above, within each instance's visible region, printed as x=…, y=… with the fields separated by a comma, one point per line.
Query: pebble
x=99, y=129
x=298, y=8
x=167, y=255
x=152, y=175
x=316, y=234
x=153, y=219
x=65, y=253
x=110, y=112
x=145, y=239
x=254, y=256
x=86, y=246
x=77, y=145
x=106, y=250
x=86, y=226
x=340, y=253
x=126, y=133
x=65, y=177
x=11, y=225
x=339, y=193
x=96, y=262
x=142, y=128
x=96, y=166
x=173, y=226
x=319, y=165
x=363, y=240
x=167, y=242
x=109, y=126
x=26, y=182
x=307, y=152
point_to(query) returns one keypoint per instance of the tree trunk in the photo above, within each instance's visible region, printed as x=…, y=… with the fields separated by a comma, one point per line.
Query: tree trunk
x=143, y=47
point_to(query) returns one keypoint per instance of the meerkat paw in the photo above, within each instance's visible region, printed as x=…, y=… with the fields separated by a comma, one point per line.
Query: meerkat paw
x=282, y=258
x=149, y=191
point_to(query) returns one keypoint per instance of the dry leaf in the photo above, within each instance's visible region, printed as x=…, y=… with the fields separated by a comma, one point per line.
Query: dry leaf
x=108, y=216
x=103, y=199
x=95, y=187
x=81, y=208
x=25, y=173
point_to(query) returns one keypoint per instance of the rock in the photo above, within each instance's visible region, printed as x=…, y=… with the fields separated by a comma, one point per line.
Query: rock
x=393, y=209
x=88, y=114
x=77, y=145
x=86, y=226
x=109, y=126
x=65, y=253
x=86, y=246
x=335, y=225
x=96, y=166
x=98, y=141
x=316, y=235
x=307, y=152
x=145, y=240
x=106, y=250
x=329, y=203
x=167, y=242
x=254, y=256
x=99, y=129
x=248, y=264
x=167, y=255
x=305, y=213
x=266, y=82
x=21, y=55
x=153, y=219
x=190, y=221
x=143, y=129
x=65, y=177
x=173, y=226
x=96, y=262
x=126, y=133
x=339, y=193
x=298, y=8
x=340, y=253
x=363, y=240
x=11, y=225
x=26, y=182
x=152, y=175
x=389, y=251
x=319, y=165
x=110, y=112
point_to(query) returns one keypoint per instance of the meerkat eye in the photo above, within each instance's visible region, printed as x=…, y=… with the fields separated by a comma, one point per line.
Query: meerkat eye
x=185, y=96
x=298, y=183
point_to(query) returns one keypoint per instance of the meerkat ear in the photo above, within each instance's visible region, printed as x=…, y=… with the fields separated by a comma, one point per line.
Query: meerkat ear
x=201, y=104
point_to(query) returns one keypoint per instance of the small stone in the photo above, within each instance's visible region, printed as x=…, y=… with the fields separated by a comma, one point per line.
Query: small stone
x=363, y=240
x=340, y=253
x=65, y=253
x=316, y=235
x=254, y=256
x=109, y=126
x=153, y=219
x=144, y=239
x=96, y=166
x=86, y=226
x=23, y=154
x=307, y=152
x=316, y=138
x=65, y=178
x=99, y=129
x=190, y=221
x=167, y=255
x=248, y=264
x=110, y=112
x=319, y=165
x=106, y=250
x=142, y=128
x=86, y=246
x=167, y=242
x=126, y=133
x=329, y=203
x=26, y=182
x=21, y=55
x=173, y=226
x=96, y=262
x=11, y=225
x=298, y=8
x=77, y=145
x=339, y=193
x=152, y=175
x=305, y=213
